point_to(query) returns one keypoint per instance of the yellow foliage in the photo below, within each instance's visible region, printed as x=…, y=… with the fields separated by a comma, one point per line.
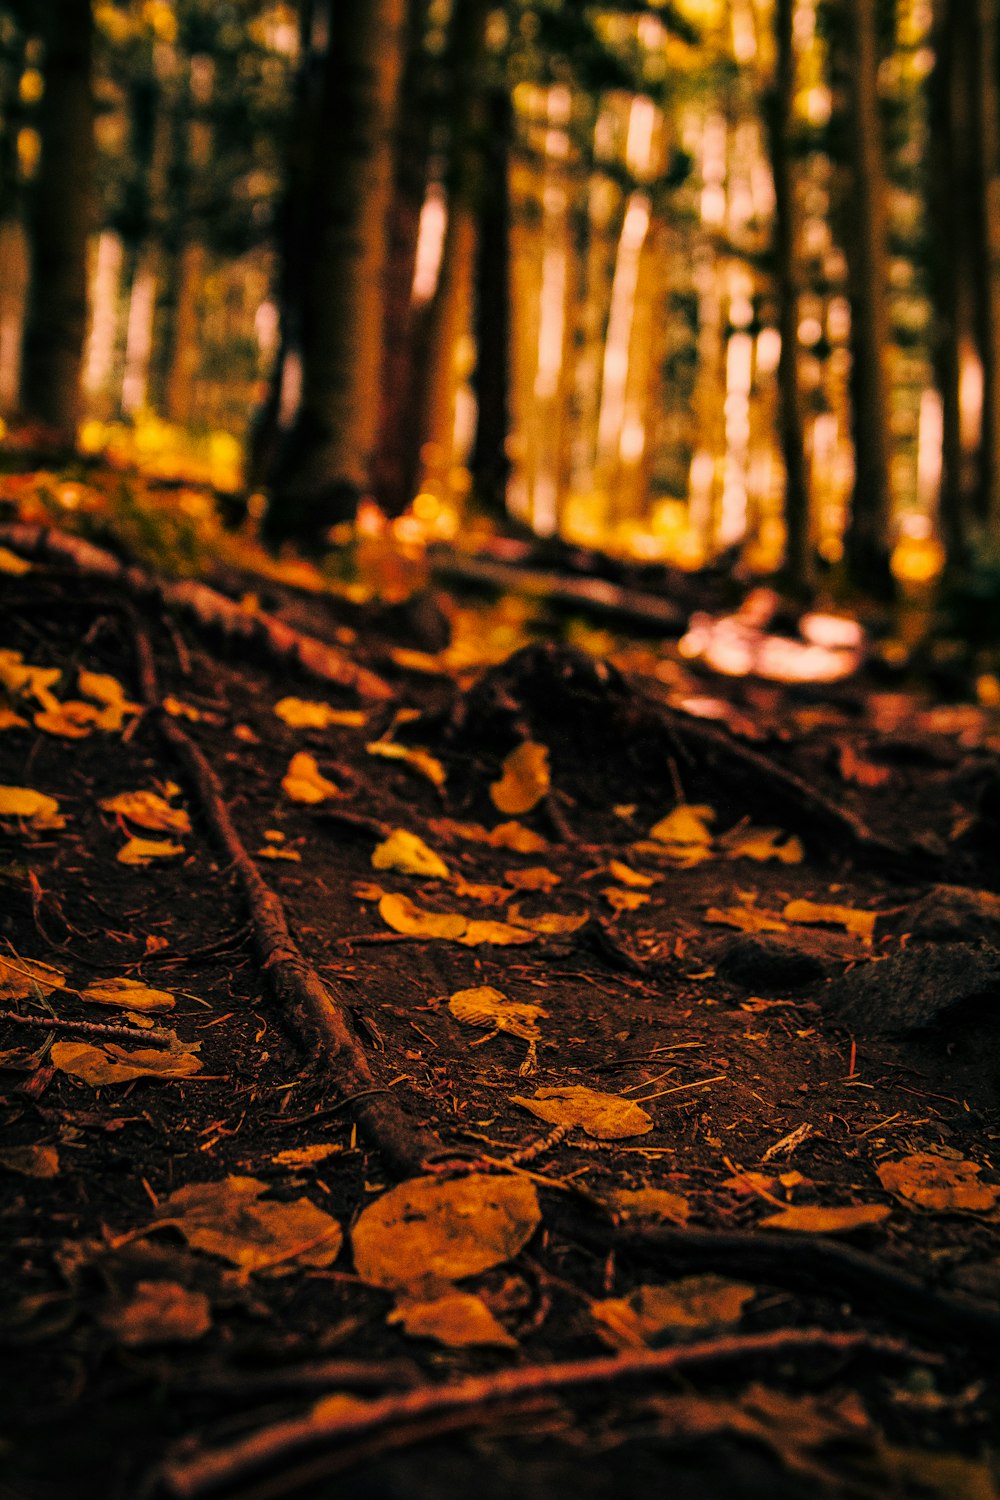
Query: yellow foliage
x=605, y=1117
x=303, y=781
x=525, y=779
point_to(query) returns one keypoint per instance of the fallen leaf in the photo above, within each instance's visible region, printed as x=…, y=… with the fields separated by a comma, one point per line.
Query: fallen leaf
x=111, y=1063
x=625, y=875
x=403, y=915
x=270, y=851
x=420, y=760
x=934, y=1182
x=303, y=781
x=490, y=1009
x=301, y=714
x=229, y=1219
x=694, y=1302
x=23, y=977
x=430, y=1228
x=513, y=836
x=857, y=771
x=70, y=721
x=549, y=923
x=144, y=851
x=763, y=844
x=500, y=934
x=179, y=710
x=148, y=810
x=860, y=923
x=624, y=900
x=34, y=807
x=456, y=1319
x=684, y=833
x=525, y=779
x=11, y=720
x=13, y=565
x=107, y=690
x=159, y=1312
x=537, y=878
x=815, y=1220
x=478, y=890
x=18, y=677
x=605, y=1117
x=405, y=852
x=41, y=1162
x=649, y=1203
x=128, y=994
x=306, y=1156
x=746, y=918
x=749, y=1184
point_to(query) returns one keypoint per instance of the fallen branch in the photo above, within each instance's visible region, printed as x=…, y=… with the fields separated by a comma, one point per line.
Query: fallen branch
x=320, y=1019
x=209, y=609
x=191, y=1473
x=154, y=1034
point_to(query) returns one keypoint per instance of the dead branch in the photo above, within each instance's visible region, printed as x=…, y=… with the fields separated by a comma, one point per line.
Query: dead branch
x=320, y=1018
x=206, y=607
x=155, y=1035
x=194, y=1472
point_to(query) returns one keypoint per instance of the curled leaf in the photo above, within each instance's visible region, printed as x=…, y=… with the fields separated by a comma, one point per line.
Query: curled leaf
x=490, y=1009
x=38, y=810
x=420, y=760
x=148, y=810
x=403, y=915
x=684, y=833
x=525, y=780
x=304, y=782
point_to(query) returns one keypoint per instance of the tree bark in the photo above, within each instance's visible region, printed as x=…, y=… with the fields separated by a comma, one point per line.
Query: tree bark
x=986, y=109
x=490, y=464
x=798, y=544
x=867, y=539
x=62, y=211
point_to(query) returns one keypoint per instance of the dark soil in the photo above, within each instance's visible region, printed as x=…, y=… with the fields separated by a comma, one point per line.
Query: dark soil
x=861, y=1053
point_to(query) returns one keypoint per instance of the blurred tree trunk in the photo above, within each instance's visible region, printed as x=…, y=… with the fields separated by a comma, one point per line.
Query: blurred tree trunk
x=868, y=538
x=183, y=352
x=490, y=464
x=985, y=95
x=798, y=545
x=327, y=406
x=62, y=210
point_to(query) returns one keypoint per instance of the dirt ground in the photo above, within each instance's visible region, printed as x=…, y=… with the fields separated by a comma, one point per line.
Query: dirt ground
x=833, y=1071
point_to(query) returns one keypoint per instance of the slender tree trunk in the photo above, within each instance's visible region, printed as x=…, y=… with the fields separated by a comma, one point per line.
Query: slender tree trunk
x=986, y=104
x=490, y=463
x=323, y=463
x=183, y=357
x=868, y=531
x=798, y=545
x=62, y=212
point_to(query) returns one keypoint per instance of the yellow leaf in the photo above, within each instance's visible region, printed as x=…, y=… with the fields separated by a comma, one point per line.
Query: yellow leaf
x=148, y=810
x=405, y=852
x=624, y=900
x=301, y=714
x=178, y=710
x=34, y=807
x=684, y=833
x=605, y=1117
x=549, y=923
x=41, y=1162
x=10, y=720
x=525, y=779
x=106, y=689
x=303, y=781
x=763, y=844
x=694, y=1302
x=816, y=1220
x=402, y=915
x=513, y=836
x=935, y=1183
x=23, y=977
x=500, y=934
x=269, y=851
x=537, y=878
x=431, y=1228
x=159, y=1312
x=128, y=994
x=144, y=851
x=490, y=1009
x=70, y=721
x=420, y=760
x=13, y=565
x=110, y=1064
x=746, y=918
x=478, y=890
x=625, y=875
x=457, y=1319
x=649, y=1203
x=36, y=682
x=860, y=923
x=229, y=1219
x=306, y=1156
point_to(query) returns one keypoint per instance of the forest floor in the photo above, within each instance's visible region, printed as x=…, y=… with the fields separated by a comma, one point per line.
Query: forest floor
x=628, y=1119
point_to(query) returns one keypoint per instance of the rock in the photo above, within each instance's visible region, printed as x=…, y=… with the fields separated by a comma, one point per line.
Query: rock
x=916, y=989
x=775, y=961
x=950, y=914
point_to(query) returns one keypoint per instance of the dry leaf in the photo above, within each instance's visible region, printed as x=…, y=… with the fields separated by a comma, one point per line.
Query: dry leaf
x=107, y=690
x=303, y=781
x=128, y=994
x=490, y=1010
x=229, y=1219
x=13, y=565
x=403, y=915
x=306, y=1156
x=405, y=852
x=270, y=851
x=23, y=977
x=513, y=836
x=456, y=1319
x=11, y=720
x=525, y=779
x=420, y=760
x=34, y=807
x=649, y=1203
x=179, y=710
x=746, y=918
x=763, y=844
x=111, y=1064
x=693, y=1302
x=549, y=923
x=625, y=875
x=144, y=851
x=605, y=1117
x=500, y=934
x=477, y=890
x=684, y=833
x=430, y=1228
x=815, y=1220
x=624, y=900
x=27, y=681
x=537, y=878
x=70, y=721
x=148, y=810
x=934, y=1182
x=860, y=923
x=159, y=1312
x=301, y=714
x=41, y=1162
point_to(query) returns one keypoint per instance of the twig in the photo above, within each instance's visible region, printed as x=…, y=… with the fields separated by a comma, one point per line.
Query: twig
x=192, y=1472
x=154, y=1034
x=320, y=1018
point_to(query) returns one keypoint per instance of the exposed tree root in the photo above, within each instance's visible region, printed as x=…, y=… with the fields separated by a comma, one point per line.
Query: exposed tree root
x=320, y=1019
x=206, y=607
x=153, y=1036
x=415, y=1415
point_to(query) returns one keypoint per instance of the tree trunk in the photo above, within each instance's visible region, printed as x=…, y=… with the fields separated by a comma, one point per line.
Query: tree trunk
x=184, y=353
x=490, y=464
x=798, y=544
x=333, y=305
x=986, y=108
x=868, y=530
x=62, y=211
